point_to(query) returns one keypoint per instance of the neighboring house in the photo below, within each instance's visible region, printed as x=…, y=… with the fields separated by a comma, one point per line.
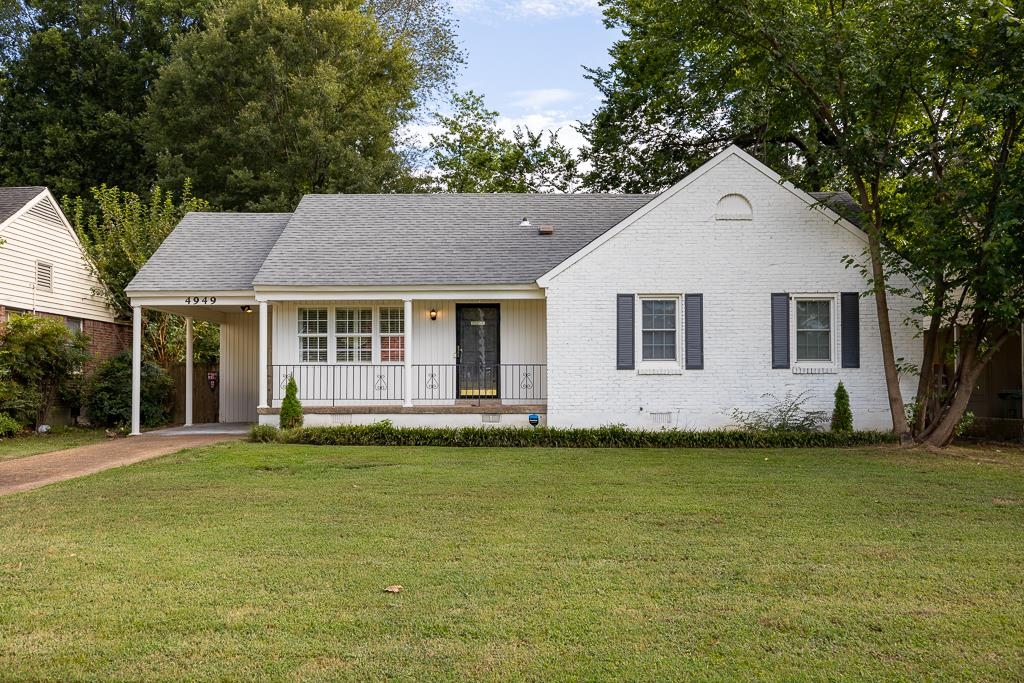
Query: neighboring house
x=44, y=270
x=649, y=311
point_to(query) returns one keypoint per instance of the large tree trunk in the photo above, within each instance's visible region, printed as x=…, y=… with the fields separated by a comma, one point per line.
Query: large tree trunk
x=892, y=376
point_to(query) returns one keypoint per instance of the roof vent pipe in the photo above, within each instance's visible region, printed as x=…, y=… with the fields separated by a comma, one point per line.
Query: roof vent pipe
x=524, y=223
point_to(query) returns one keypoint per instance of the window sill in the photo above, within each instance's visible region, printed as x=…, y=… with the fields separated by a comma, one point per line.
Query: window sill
x=815, y=370
x=662, y=370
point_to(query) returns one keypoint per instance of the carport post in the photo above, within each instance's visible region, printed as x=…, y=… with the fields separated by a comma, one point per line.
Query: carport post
x=188, y=371
x=136, y=369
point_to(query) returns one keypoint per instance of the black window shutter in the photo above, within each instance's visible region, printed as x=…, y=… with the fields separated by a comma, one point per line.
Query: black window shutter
x=850, y=328
x=624, y=321
x=694, y=333
x=780, y=331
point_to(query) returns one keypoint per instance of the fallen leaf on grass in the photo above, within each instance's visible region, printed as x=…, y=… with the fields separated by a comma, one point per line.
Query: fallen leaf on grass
x=393, y=589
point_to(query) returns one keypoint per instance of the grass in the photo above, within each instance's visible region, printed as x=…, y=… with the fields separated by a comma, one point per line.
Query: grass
x=56, y=440
x=268, y=561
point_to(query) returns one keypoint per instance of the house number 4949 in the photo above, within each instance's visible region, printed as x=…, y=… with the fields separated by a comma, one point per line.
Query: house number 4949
x=192, y=300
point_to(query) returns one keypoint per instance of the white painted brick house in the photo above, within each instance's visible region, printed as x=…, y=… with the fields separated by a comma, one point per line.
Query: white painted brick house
x=651, y=311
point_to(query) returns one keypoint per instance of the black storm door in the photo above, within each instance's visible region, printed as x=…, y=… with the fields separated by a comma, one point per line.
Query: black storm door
x=477, y=337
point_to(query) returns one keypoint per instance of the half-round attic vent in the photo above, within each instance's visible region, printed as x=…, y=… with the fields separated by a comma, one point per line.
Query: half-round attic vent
x=734, y=207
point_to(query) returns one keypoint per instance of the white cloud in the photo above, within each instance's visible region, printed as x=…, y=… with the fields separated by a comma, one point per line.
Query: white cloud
x=542, y=98
x=555, y=121
x=526, y=8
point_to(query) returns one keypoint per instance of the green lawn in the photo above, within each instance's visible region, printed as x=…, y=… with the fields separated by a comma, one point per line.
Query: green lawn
x=57, y=440
x=242, y=561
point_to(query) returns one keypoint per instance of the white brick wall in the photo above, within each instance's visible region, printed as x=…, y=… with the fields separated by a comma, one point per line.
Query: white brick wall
x=680, y=247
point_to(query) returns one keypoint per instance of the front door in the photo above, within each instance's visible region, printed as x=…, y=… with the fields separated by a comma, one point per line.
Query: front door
x=477, y=336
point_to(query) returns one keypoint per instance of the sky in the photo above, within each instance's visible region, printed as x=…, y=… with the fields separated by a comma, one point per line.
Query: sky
x=526, y=58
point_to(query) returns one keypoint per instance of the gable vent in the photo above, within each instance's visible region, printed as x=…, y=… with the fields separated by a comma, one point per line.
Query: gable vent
x=44, y=276
x=545, y=230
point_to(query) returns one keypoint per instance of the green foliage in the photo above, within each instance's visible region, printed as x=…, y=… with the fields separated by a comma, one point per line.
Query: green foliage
x=39, y=360
x=291, y=408
x=108, y=396
x=786, y=414
x=384, y=434
x=263, y=433
x=842, y=416
x=9, y=426
x=74, y=76
x=272, y=101
x=120, y=230
x=472, y=154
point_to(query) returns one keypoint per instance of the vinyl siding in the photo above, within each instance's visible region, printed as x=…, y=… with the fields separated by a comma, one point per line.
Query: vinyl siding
x=39, y=236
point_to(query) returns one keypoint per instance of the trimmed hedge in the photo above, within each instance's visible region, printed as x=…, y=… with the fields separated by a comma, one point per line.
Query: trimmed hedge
x=384, y=434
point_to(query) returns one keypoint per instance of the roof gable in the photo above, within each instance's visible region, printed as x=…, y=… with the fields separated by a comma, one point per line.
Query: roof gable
x=15, y=199
x=732, y=151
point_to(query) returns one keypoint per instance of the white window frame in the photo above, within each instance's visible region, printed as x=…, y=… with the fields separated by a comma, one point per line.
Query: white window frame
x=355, y=334
x=300, y=335
x=833, y=332
x=664, y=366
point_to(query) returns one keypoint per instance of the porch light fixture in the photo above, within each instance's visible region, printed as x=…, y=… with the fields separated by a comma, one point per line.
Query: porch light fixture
x=433, y=314
x=246, y=309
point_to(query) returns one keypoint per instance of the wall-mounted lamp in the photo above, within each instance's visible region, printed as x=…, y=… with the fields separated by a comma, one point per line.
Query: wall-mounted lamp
x=246, y=309
x=433, y=314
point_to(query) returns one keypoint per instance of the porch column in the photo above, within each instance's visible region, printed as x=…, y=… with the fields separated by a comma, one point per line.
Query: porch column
x=407, y=382
x=136, y=369
x=188, y=371
x=262, y=384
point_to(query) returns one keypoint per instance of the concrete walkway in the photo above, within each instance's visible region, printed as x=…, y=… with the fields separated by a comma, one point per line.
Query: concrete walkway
x=23, y=474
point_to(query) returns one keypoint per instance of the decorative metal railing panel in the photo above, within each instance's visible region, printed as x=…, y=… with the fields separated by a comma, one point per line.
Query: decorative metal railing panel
x=353, y=384
x=331, y=384
x=506, y=381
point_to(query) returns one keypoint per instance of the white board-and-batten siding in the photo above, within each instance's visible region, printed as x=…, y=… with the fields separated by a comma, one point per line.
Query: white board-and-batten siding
x=239, y=368
x=523, y=341
x=683, y=245
x=39, y=235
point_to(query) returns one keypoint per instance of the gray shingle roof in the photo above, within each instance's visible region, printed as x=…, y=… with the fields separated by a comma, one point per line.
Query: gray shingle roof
x=13, y=198
x=842, y=203
x=211, y=251
x=428, y=239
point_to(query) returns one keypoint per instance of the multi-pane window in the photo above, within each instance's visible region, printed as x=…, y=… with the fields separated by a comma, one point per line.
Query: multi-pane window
x=392, y=335
x=313, y=335
x=813, y=330
x=658, y=327
x=353, y=328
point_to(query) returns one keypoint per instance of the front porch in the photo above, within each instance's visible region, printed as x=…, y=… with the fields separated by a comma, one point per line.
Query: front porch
x=457, y=358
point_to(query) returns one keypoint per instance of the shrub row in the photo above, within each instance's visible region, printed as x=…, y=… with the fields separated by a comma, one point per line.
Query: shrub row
x=384, y=434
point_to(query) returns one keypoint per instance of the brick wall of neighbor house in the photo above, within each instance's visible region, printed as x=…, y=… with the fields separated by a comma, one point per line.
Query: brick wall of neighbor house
x=106, y=339
x=680, y=247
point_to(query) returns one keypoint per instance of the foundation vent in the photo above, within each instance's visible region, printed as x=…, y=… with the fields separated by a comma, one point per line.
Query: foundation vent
x=491, y=417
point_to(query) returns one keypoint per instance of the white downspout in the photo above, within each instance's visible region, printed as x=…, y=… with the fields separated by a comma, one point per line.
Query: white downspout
x=188, y=371
x=407, y=381
x=136, y=369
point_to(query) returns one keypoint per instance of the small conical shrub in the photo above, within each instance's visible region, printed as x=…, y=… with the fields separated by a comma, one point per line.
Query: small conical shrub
x=842, y=416
x=291, y=409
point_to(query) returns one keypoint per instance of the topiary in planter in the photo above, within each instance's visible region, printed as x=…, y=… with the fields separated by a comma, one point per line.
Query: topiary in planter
x=291, y=409
x=842, y=416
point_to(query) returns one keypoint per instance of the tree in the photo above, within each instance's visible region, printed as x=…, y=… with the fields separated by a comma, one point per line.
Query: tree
x=428, y=30
x=957, y=211
x=272, y=101
x=40, y=358
x=474, y=155
x=829, y=91
x=74, y=75
x=120, y=231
